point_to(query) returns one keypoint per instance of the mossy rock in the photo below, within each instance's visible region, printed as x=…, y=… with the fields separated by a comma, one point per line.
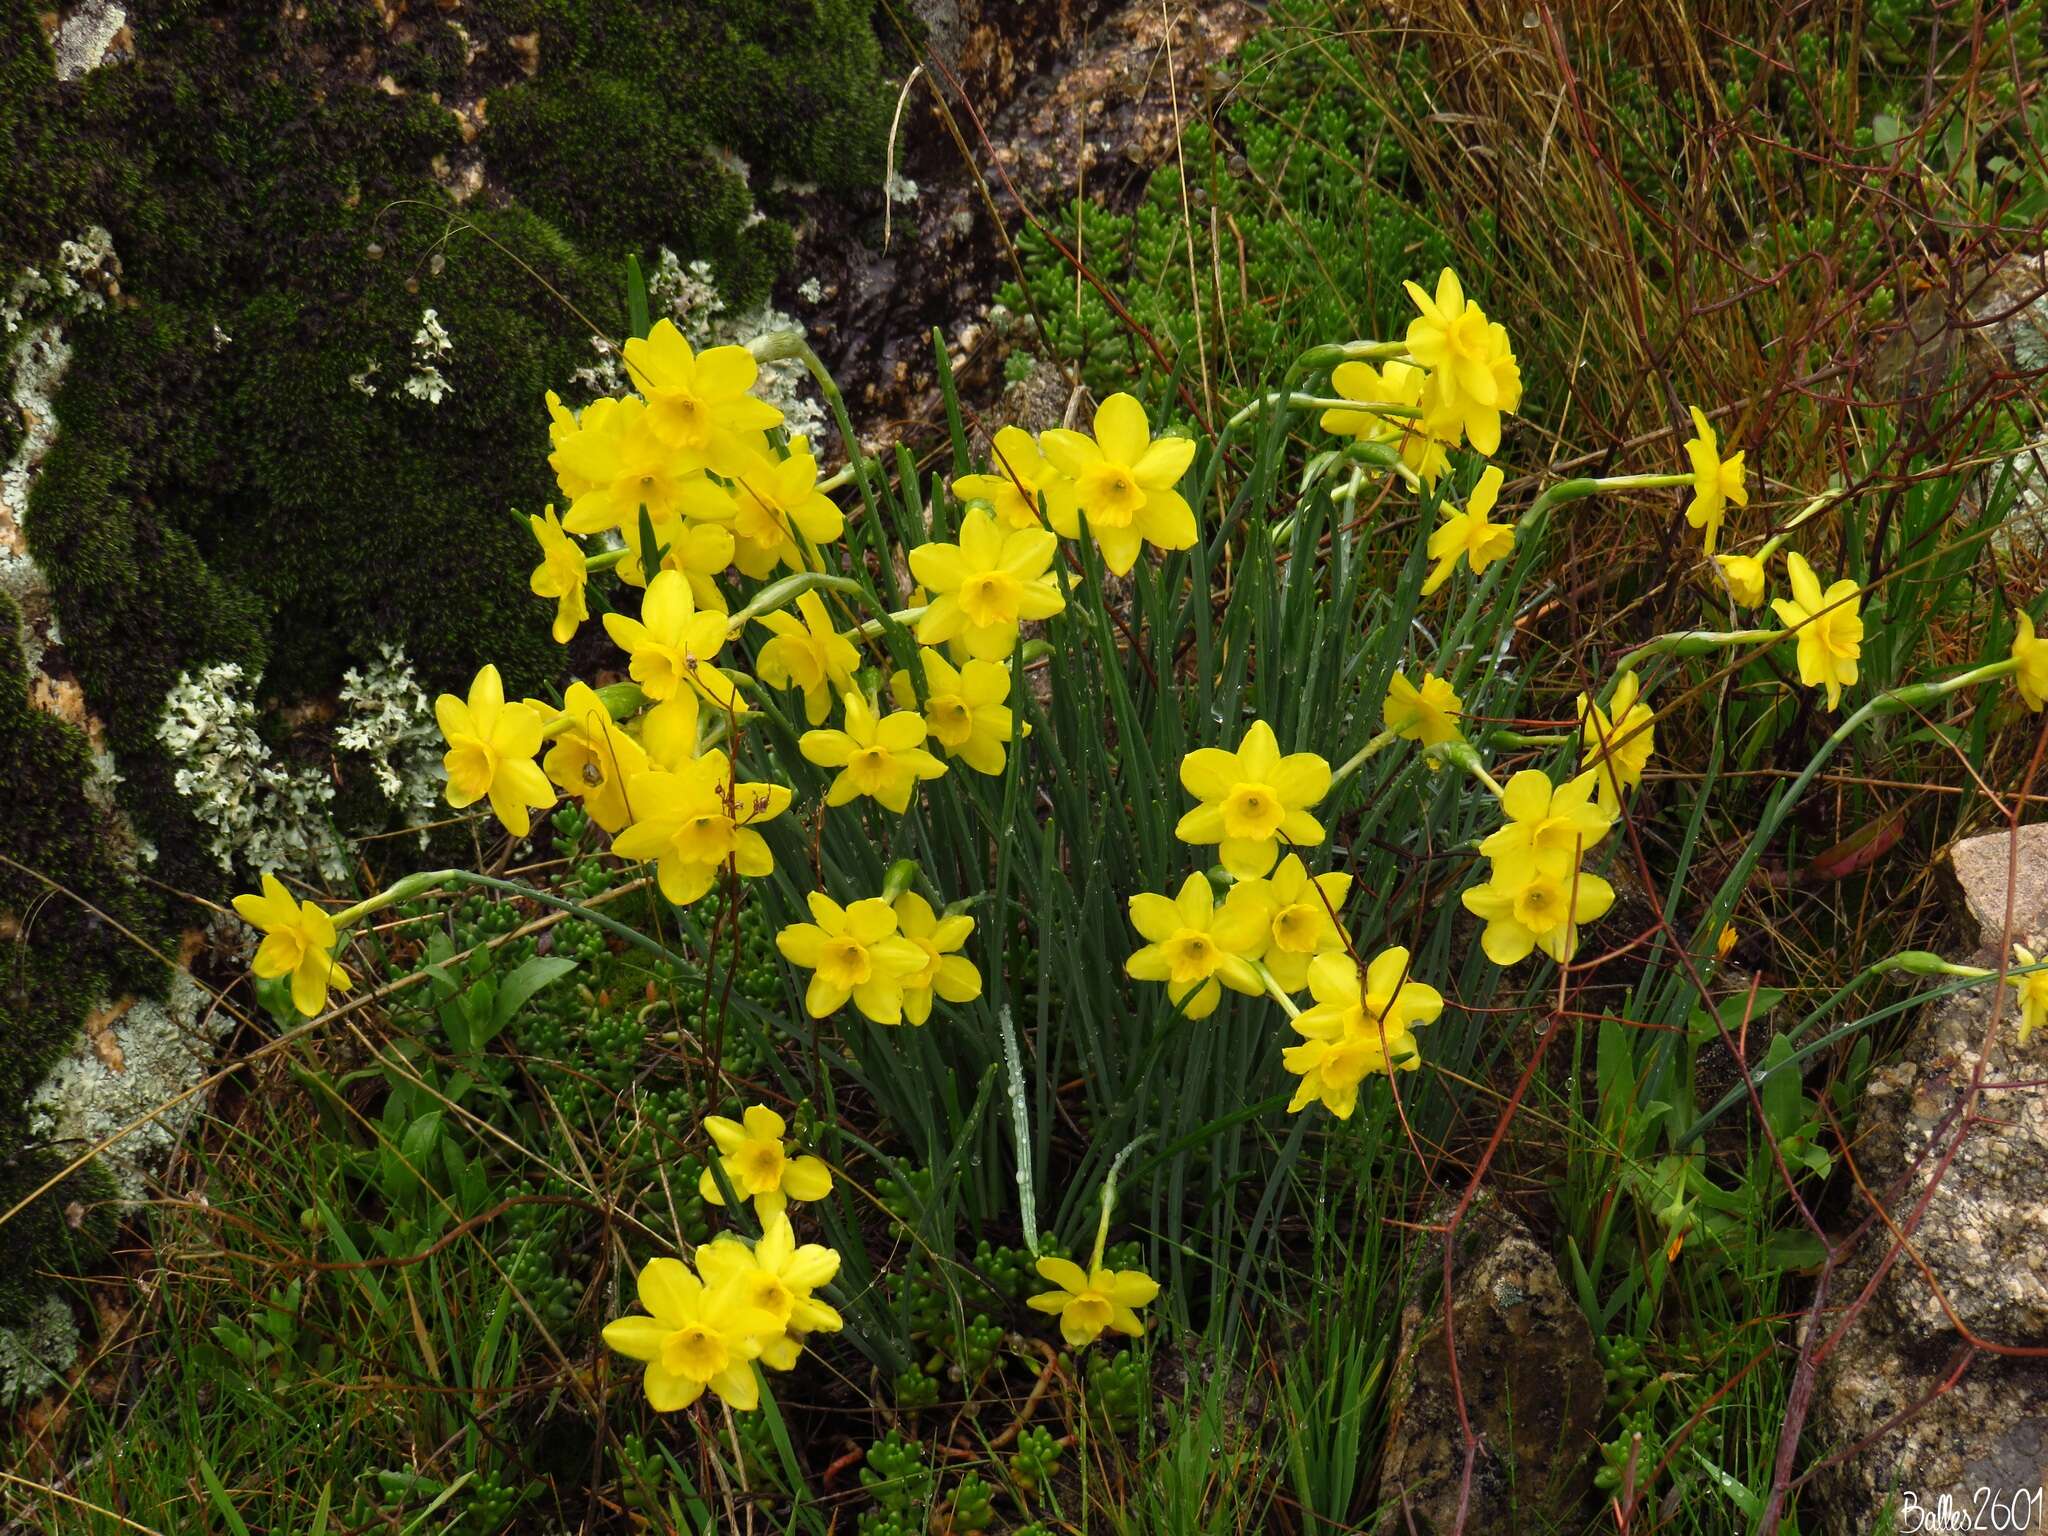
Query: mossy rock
x=239, y=473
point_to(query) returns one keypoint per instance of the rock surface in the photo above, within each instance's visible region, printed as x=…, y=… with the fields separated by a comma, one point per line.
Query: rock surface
x=1532, y=1388
x=1982, y=1238
x=1982, y=865
x=1048, y=100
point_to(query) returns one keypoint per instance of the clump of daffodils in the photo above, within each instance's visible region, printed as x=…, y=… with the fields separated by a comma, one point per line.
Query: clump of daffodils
x=701, y=530
x=705, y=1328
x=1539, y=893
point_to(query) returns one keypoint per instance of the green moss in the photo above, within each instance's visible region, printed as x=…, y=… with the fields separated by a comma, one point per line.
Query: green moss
x=795, y=91
x=603, y=155
x=1308, y=191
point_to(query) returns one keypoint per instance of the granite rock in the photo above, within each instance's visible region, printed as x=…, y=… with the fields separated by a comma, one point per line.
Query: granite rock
x=1532, y=1387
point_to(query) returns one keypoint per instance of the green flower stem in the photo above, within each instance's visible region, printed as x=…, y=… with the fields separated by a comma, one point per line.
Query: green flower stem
x=1640, y=482
x=1828, y=498
x=1332, y=353
x=620, y=701
x=874, y=628
x=1696, y=642
x=1466, y=756
x=604, y=560
x=434, y=879
x=1913, y=962
x=1895, y=701
x=778, y=594
x=1275, y=991
x=1362, y=756
x=1109, y=1200
x=417, y=884
x=1505, y=738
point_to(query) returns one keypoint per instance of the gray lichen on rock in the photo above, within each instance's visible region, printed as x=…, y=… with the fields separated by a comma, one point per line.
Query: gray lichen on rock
x=37, y=1354
x=135, y=1062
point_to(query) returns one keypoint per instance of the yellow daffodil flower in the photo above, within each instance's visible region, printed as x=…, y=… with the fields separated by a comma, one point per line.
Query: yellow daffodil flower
x=1300, y=915
x=852, y=952
x=491, y=746
x=1544, y=818
x=964, y=709
x=698, y=402
x=1472, y=367
x=1355, y=1030
x=1469, y=535
x=2031, y=654
x=1394, y=383
x=672, y=647
x=1716, y=482
x=1428, y=714
x=2033, y=992
x=1088, y=1302
x=778, y=503
x=560, y=575
x=1193, y=945
x=1616, y=742
x=1124, y=481
x=697, y=819
x=1252, y=800
x=701, y=551
x=808, y=654
x=593, y=758
x=1745, y=577
x=1536, y=902
x=620, y=467
x=776, y=1276
x=945, y=971
x=759, y=1165
x=691, y=1338
x=1018, y=474
x=1830, y=629
x=986, y=585
x=298, y=941
x=882, y=758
